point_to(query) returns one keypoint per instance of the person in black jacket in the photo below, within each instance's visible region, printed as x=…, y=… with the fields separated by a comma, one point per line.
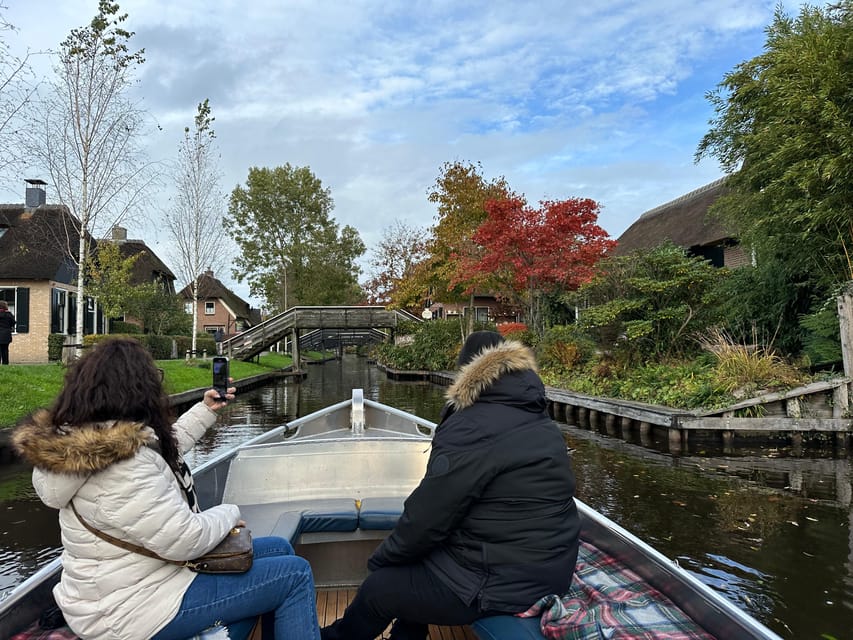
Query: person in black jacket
x=493, y=526
x=7, y=323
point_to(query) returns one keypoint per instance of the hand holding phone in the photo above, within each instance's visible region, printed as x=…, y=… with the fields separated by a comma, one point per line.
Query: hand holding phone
x=221, y=377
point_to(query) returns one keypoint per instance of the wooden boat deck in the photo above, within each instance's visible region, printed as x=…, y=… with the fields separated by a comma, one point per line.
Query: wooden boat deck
x=332, y=602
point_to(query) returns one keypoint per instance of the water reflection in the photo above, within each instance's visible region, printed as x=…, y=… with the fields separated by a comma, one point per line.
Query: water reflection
x=773, y=535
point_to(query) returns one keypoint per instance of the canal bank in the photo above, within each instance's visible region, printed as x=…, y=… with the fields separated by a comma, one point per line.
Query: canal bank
x=812, y=417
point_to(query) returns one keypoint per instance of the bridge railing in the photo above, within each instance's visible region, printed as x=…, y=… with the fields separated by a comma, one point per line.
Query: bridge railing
x=255, y=339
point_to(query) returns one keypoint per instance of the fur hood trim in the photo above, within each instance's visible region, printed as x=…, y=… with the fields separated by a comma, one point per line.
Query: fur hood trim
x=484, y=370
x=81, y=450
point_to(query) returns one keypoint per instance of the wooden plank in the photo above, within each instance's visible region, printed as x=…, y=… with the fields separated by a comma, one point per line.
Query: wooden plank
x=331, y=604
x=767, y=424
x=653, y=414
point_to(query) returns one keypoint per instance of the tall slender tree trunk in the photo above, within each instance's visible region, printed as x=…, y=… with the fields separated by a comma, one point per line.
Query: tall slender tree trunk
x=193, y=350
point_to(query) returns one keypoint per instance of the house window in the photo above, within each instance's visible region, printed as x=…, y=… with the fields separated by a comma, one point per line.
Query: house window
x=9, y=296
x=188, y=307
x=18, y=299
x=209, y=308
x=482, y=314
x=60, y=314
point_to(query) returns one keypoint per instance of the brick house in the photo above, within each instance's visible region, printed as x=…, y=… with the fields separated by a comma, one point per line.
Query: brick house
x=38, y=274
x=219, y=308
x=684, y=221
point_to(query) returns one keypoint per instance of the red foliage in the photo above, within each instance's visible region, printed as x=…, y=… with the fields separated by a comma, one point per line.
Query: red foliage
x=555, y=245
x=510, y=328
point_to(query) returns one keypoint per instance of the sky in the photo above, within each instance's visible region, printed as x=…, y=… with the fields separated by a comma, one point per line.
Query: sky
x=602, y=99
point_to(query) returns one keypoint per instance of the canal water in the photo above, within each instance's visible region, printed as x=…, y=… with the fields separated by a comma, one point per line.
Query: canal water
x=772, y=533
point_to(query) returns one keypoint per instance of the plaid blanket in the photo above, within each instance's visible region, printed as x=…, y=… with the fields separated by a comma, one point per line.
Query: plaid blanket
x=609, y=601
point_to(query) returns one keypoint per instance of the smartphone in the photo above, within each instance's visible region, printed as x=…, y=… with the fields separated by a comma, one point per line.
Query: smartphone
x=220, y=376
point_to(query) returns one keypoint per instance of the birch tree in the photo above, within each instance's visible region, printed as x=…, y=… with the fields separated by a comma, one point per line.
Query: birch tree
x=88, y=135
x=195, y=219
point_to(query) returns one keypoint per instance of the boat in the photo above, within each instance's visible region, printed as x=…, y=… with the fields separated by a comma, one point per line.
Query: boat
x=334, y=483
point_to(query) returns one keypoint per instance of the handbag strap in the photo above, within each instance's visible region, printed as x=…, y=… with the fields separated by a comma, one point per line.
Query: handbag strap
x=127, y=546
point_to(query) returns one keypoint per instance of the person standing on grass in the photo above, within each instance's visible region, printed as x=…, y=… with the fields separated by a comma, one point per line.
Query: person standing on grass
x=7, y=323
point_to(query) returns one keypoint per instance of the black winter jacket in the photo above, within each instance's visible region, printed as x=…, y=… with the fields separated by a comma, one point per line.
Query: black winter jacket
x=494, y=517
x=7, y=323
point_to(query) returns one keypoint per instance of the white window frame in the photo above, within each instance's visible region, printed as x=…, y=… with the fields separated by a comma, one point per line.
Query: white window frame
x=210, y=308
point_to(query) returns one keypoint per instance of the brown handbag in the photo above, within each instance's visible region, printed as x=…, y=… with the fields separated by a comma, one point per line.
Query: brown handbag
x=232, y=555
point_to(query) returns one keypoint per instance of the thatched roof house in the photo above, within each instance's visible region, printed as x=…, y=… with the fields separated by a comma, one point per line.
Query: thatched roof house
x=684, y=222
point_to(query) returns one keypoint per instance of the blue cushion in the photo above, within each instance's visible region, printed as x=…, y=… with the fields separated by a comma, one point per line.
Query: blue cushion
x=318, y=515
x=507, y=628
x=380, y=513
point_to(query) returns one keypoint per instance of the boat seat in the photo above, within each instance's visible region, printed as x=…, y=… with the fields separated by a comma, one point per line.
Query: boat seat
x=291, y=519
x=507, y=628
x=380, y=513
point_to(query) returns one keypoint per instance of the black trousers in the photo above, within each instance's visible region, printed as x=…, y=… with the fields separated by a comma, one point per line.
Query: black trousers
x=4, y=353
x=410, y=595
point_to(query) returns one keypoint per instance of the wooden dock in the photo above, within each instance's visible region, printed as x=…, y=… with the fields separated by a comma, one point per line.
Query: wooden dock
x=820, y=409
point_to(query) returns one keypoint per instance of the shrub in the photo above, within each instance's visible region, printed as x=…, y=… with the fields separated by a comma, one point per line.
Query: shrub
x=55, y=342
x=118, y=326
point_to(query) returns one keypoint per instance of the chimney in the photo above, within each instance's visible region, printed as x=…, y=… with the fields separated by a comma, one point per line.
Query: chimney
x=36, y=195
x=119, y=234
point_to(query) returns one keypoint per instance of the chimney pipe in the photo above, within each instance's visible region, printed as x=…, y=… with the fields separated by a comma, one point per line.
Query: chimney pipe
x=35, y=193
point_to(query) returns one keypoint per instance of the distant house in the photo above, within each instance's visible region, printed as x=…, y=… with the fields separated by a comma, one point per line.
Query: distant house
x=487, y=308
x=147, y=267
x=38, y=274
x=219, y=308
x=684, y=222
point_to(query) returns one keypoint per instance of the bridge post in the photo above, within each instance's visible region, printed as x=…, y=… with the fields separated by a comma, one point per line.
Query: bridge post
x=294, y=350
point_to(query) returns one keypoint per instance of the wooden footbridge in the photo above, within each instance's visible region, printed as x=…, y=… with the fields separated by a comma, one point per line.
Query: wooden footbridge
x=346, y=325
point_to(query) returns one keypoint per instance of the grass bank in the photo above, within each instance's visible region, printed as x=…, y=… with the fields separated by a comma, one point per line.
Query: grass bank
x=24, y=388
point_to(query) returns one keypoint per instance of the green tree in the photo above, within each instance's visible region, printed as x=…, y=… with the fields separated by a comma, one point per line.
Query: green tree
x=783, y=130
x=110, y=278
x=161, y=312
x=291, y=249
x=649, y=303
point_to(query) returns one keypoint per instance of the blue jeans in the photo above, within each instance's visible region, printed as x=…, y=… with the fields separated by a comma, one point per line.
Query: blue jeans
x=279, y=587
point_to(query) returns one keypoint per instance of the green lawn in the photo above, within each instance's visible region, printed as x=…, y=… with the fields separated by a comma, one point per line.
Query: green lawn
x=24, y=388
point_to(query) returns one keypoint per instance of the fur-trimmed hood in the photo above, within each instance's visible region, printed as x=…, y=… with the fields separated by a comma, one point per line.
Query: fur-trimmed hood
x=80, y=450
x=486, y=369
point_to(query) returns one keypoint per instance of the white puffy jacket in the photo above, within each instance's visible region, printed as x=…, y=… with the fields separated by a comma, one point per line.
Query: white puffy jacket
x=124, y=488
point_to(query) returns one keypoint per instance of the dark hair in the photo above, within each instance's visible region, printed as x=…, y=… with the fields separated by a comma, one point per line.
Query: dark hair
x=476, y=342
x=117, y=380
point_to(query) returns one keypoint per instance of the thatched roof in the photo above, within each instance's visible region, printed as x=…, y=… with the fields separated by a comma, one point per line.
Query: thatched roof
x=682, y=221
x=148, y=267
x=37, y=243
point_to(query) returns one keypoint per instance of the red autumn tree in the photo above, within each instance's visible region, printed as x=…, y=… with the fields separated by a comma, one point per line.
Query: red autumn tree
x=530, y=252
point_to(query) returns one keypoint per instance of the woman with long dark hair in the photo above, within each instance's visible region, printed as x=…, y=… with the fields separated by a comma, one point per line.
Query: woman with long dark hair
x=107, y=453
